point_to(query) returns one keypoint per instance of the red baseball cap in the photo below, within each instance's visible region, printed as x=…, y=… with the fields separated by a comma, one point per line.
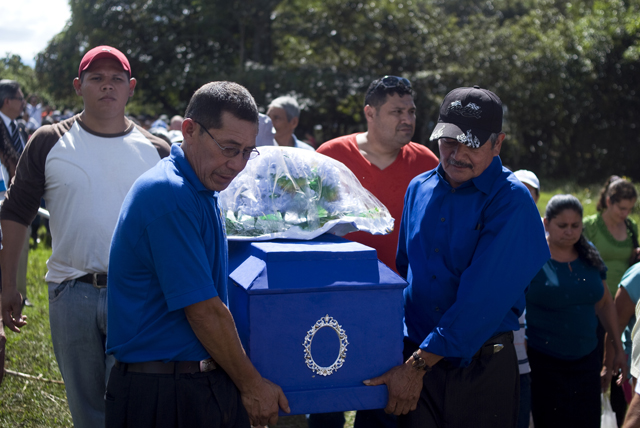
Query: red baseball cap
x=103, y=52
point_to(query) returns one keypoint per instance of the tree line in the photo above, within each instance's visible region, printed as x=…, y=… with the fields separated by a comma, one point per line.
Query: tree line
x=566, y=71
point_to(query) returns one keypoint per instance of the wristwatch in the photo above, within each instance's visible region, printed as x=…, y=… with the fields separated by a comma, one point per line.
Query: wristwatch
x=419, y=363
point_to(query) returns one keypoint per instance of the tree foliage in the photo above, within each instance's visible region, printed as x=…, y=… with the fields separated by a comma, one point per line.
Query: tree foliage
x=567, y=72
x=11, y=67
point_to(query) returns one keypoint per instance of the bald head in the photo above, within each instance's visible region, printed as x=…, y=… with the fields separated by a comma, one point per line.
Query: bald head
x=176, y=123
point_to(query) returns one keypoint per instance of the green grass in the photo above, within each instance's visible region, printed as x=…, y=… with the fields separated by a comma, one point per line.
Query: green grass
x=588, y=196
x=25, y=402
x=29, y=403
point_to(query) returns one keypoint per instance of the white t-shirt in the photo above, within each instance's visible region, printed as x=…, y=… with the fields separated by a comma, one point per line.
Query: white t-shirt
x=83, y=178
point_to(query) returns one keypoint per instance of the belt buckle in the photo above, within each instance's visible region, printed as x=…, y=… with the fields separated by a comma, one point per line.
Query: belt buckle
x=207, y=365
x=95, y=281
x=497, y=347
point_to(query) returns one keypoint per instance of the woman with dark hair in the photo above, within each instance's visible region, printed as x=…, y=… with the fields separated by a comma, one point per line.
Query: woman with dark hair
x=615, y=236
x=563, y=301
x=612, y=231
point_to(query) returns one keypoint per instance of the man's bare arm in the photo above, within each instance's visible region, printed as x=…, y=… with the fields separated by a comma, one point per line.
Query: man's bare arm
x=214, y=326
x=606, y=312
x=632, y=420
x=625, y=309
x=13, y=235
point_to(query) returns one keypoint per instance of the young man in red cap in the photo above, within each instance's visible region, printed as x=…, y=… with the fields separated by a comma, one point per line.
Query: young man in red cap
x=83, y=167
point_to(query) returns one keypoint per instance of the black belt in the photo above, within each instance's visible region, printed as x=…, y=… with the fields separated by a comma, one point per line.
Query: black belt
x=99, y=280
x=495, y=344
x=172, y=367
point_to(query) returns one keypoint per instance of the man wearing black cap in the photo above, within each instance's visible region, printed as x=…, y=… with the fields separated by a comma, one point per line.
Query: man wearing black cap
x=470, y=242
x=83, y=167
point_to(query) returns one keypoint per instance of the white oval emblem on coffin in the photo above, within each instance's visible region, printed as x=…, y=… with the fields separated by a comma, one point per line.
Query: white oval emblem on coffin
x=325, y=322
x=279, y=293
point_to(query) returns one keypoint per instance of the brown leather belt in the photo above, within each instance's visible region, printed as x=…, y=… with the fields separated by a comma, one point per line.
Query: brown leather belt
x=99, y=280
x=172, y=367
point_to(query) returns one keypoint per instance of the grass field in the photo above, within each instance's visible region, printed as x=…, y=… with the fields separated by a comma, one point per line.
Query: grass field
x=587, y=195
x=32, y=403
x=28, y=403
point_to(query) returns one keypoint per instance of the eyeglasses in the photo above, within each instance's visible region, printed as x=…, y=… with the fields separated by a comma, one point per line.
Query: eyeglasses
x=393, y=82
x=17, y=98
x=231, y=152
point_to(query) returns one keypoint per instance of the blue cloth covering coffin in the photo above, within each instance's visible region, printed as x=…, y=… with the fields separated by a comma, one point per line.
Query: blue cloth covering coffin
x=318, y=317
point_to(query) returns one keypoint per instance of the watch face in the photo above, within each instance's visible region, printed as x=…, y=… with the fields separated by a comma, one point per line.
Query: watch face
x=418, y=362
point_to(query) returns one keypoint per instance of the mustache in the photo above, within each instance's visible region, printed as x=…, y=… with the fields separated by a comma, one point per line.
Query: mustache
x=459, y=164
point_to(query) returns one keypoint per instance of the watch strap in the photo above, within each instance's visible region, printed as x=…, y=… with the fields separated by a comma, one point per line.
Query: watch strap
x=419, y=363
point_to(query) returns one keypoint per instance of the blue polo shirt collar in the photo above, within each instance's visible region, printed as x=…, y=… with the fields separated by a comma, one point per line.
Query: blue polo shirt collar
x=182, y=163
x=483, y=182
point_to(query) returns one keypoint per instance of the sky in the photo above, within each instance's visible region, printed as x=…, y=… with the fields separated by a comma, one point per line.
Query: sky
x=26, y=26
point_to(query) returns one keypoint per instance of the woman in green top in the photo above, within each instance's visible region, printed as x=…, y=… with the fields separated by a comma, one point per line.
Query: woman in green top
x=610, y=230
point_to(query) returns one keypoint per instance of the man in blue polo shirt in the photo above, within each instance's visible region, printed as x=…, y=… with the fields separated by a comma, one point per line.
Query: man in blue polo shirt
x=179, y=358
x=470, y=242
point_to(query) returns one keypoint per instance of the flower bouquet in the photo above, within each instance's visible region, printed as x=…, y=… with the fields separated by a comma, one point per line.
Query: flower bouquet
x=299, y=194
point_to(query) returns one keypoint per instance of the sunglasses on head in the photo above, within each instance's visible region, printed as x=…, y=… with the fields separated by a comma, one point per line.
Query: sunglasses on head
x=389, y=82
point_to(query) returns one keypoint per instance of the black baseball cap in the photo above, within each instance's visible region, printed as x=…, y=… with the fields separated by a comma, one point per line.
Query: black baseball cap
x=469, y=115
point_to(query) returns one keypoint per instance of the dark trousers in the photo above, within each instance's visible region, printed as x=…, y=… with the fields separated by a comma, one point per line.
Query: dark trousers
x=565, y=393
x=140, y=400
x=326, y=420
x=618, y=402
x=375, y=419
x=483, y=394
x=525, y=401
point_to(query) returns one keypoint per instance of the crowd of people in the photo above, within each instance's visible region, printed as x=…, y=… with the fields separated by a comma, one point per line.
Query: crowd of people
x=137, y=233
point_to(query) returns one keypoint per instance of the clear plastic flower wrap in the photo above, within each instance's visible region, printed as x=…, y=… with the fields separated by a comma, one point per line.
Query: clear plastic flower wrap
x=299, y=194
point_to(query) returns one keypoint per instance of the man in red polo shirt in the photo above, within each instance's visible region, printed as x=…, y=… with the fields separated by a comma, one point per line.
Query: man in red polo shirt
x=385, y=160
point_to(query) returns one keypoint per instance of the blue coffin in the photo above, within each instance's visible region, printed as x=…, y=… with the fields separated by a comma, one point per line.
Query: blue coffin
x=317, y=318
